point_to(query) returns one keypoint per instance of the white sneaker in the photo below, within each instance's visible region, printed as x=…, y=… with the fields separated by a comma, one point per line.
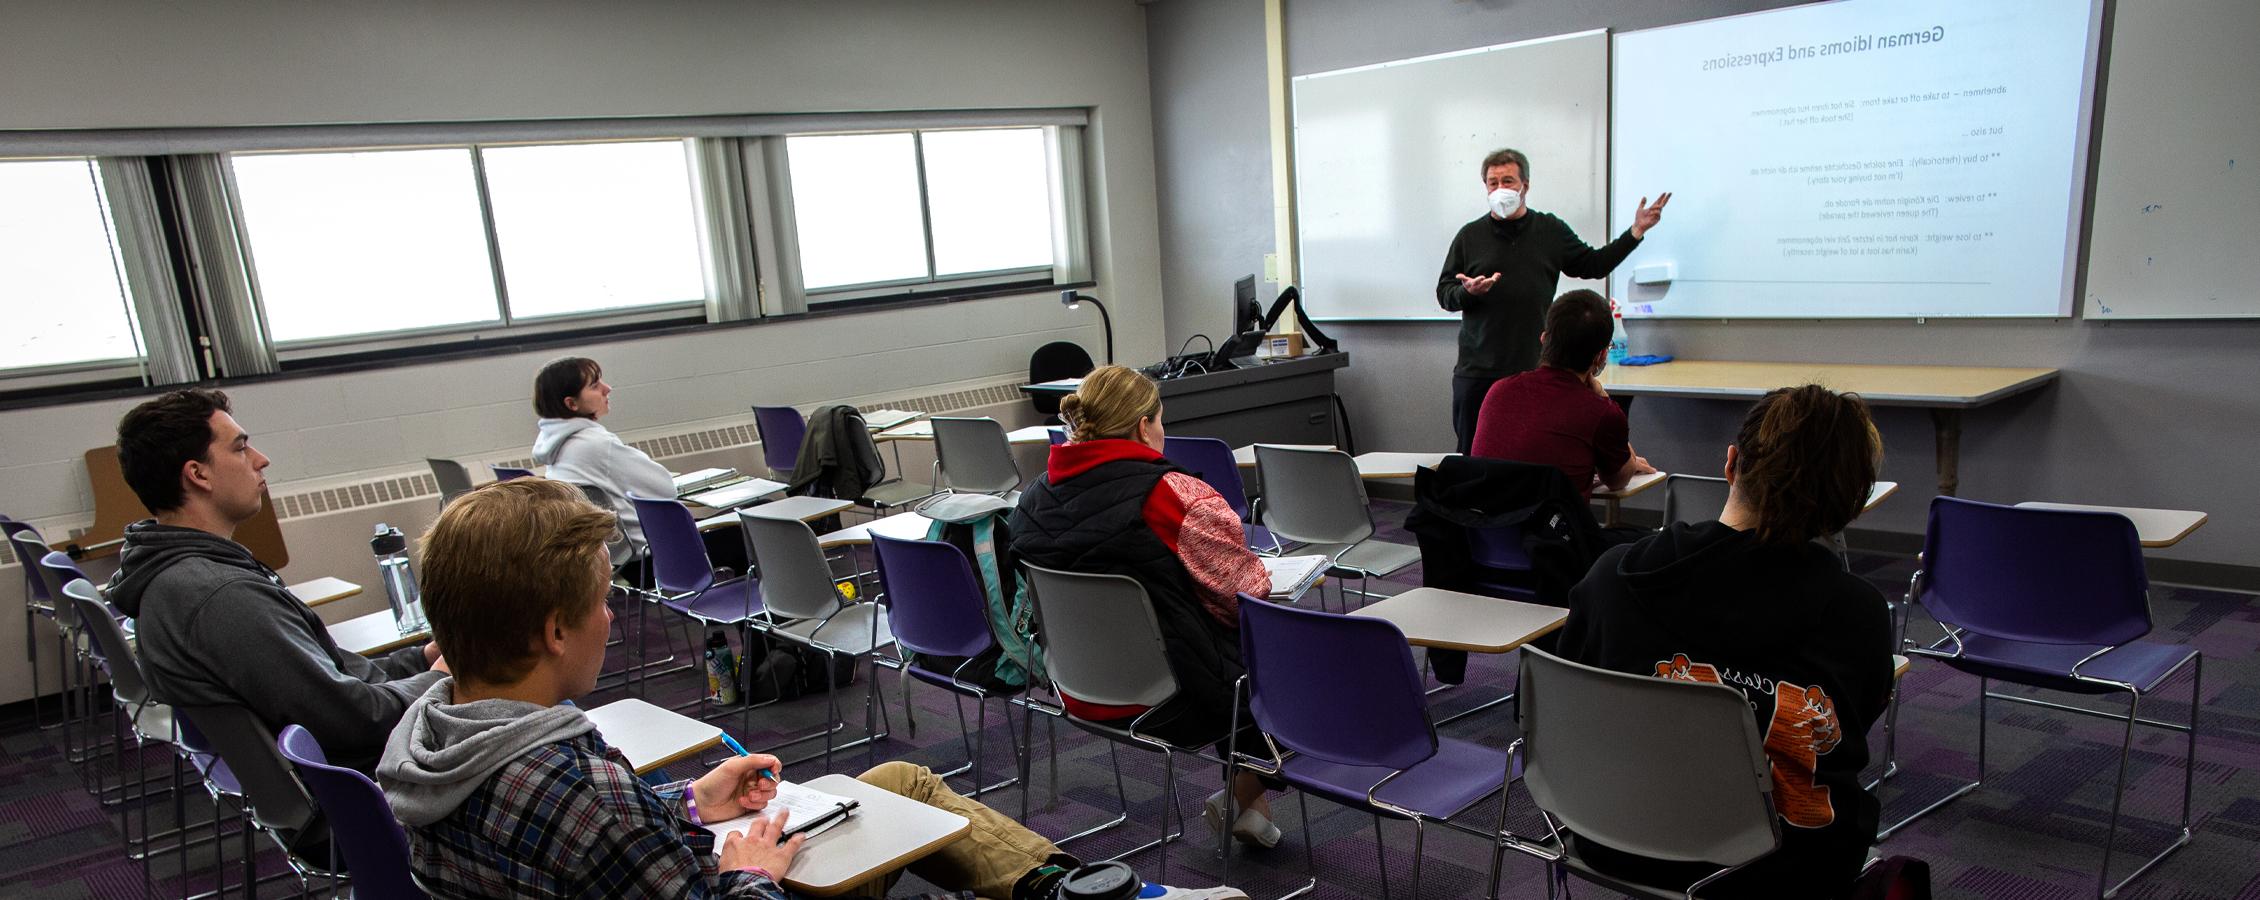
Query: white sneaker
x=1165, y=892
x=1250, y=827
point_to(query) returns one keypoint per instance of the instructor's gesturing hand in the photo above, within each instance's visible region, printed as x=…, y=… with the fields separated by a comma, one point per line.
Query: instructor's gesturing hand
x=1480, y=286
x=1647, y=216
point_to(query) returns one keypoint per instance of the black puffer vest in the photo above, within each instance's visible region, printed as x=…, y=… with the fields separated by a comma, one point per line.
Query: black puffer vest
x=1094, y=522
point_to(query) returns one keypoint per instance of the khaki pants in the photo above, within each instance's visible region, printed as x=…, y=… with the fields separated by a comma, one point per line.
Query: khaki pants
x=988, y=861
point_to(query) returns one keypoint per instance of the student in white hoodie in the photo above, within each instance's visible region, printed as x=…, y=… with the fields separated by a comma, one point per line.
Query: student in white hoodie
x=570, y=396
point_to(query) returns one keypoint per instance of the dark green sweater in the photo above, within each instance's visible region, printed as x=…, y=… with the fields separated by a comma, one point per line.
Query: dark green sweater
x=1499, y=330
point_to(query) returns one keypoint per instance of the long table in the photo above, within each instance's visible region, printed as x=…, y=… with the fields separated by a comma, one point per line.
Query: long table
x=1944, y=390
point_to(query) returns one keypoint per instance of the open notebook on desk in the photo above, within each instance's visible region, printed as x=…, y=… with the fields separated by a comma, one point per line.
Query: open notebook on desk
x=801, y=803
x=690, y=482
x=1292, y=575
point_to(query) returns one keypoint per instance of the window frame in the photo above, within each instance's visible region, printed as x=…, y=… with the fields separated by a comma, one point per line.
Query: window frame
x=504, y=324
x=741, y=196
x=936, y=284
x=102, y=369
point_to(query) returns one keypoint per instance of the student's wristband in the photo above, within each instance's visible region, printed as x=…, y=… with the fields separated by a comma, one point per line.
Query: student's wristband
x=690, y=804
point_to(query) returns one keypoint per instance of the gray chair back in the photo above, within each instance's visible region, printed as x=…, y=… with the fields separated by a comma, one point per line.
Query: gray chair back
x=617, y=546
x=280, y=804
x=451, y=477
x=110, y=644
x=1101, y=641
x=1313, y=496
x=1693, y=498
x=1592, y=761
x=974, y=455
x=796, y=580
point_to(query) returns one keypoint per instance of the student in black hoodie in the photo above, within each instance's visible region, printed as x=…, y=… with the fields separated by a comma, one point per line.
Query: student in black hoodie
x=216, y=627
x=1753, y=601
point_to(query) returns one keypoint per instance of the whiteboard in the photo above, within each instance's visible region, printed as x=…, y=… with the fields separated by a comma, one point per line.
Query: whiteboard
x=2177, y=197
x=1386, y=161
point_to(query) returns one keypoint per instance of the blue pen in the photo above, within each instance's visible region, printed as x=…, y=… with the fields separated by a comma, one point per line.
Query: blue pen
x=740, y=750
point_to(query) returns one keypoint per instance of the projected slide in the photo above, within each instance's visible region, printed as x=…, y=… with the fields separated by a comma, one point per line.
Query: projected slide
x=1863, y=158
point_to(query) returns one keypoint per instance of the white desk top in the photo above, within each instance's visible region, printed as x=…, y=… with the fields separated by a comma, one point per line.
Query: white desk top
x=908, y=526
x=803, y=508
x=1900, y=665
x=1246, y=456
x=651, y=736
x=2154, y=527
x=323, y=590
x=923, y=430
x=806, y=509
x=1878, y=492
x=1450, y=620
x=883, y=419
x=1880, y=385
x=887, y=832
x=735, y=495
x=1637, y=484
x=372, y=634
x=1386, y=464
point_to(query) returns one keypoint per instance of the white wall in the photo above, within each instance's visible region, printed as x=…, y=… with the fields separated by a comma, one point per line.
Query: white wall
x=165, y=64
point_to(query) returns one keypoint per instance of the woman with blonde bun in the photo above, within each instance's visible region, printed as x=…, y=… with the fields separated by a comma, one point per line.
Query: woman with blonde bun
x=1108, y=503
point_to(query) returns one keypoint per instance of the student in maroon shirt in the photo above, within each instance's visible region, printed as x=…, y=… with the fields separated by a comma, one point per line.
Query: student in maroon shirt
x=1559, y=414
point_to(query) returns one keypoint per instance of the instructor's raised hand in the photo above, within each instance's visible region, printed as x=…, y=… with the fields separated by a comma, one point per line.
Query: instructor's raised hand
x=1480, y=286
x=1647, y=216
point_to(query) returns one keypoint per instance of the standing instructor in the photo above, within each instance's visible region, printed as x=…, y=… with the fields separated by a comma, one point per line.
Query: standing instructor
x=1500, y=275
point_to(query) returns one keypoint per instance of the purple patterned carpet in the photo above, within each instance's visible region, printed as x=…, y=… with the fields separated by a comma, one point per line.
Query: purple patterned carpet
x=2032, y=833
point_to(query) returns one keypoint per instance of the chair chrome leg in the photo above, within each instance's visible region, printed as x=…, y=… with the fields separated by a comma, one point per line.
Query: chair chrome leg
x=1381, y=853
x=1420, y=834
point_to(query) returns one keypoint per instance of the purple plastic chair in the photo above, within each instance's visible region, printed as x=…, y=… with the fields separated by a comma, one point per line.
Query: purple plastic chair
x=781, y=429
x=1305, y=669
x=1500, y=550
x=683, y=579
x=361, y=824
x=938, y=610
x=508, y=473
x=1212, y=460
x=2054, y=599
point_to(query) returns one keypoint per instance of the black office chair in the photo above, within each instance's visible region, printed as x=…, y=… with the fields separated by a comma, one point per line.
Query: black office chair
x=1052, y=362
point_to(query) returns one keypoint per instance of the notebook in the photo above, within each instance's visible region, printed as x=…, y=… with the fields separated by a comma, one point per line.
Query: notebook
x=702, y=479
x=1292, y=575
x=800, y=802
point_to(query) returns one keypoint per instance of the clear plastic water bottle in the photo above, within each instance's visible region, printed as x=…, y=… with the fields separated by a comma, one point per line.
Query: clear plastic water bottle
x=400, y=580
x=1620, y=344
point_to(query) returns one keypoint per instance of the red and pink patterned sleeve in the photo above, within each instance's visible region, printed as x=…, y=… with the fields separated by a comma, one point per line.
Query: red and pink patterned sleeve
x=1204, y=532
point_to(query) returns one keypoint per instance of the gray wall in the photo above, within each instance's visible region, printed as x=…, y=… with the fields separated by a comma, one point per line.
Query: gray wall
x=2146, y=414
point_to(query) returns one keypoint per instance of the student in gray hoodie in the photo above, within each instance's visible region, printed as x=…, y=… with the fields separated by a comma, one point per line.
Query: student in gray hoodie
x=569, y=396
x=507, y=791
x=215, y=626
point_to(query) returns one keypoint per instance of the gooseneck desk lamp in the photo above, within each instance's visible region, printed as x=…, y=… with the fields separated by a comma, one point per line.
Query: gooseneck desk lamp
x=1072, y=300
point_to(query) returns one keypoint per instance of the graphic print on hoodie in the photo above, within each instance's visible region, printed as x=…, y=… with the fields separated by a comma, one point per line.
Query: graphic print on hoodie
x=1808, y=645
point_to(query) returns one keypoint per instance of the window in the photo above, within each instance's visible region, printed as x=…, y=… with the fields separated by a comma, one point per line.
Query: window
x=360, y=243
x=587, y=227
x=62, y=299
x=904, y=208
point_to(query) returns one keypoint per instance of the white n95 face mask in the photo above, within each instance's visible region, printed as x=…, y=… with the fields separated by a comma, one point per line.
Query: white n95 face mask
x=1505, y=202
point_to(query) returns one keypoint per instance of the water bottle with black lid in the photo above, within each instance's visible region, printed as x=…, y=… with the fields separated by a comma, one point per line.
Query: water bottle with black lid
x=407, y=602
